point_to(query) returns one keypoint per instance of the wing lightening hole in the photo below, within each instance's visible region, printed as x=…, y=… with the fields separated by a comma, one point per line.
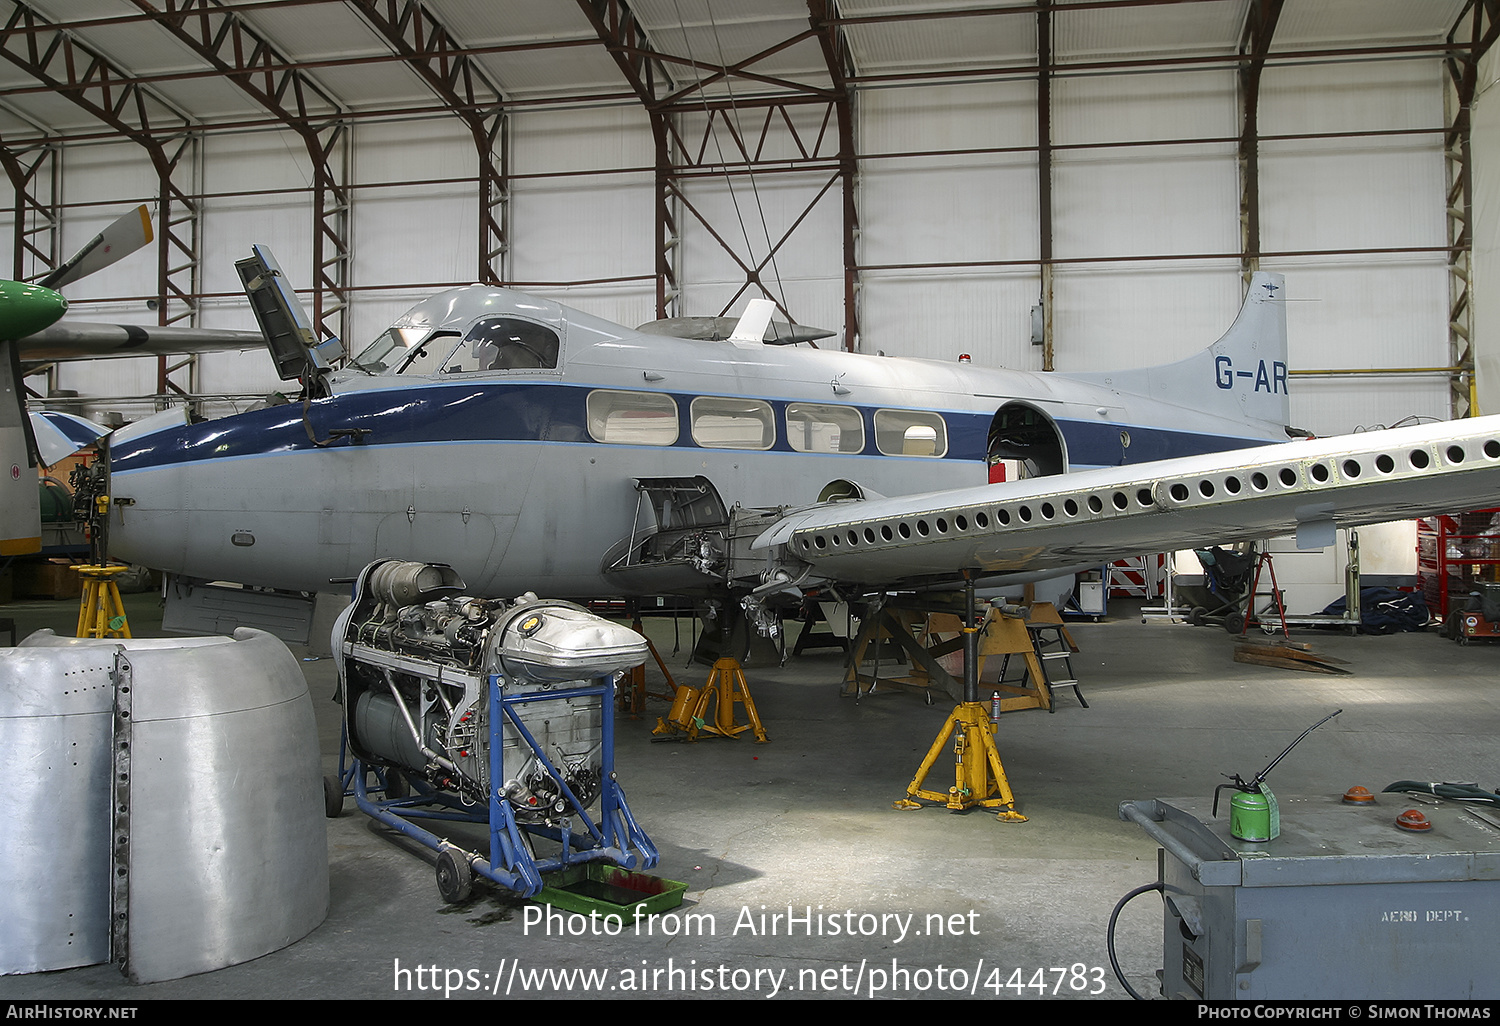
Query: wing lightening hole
x=961, y=522
x=981, y=520
x=1352, y=469
x=1003, y=516
x=1120, y=501
x=1288, y=476
x=1070, y=508
x=1492, y=449
x=1232, y=485
x=853, y=539
x=1206, y=488
x=1384, y=463
x=922, y=528
x=903, y=529
x=1259, y=482
x=1025, y=514
x=1096, y=504
x=1319, y=473
x=820, y=542
x=886, y=533
x=1144, y=497
x=870, y=535
x=1418, y=459
x=1047, y=511
x=1455, y=454
x=1179, y=492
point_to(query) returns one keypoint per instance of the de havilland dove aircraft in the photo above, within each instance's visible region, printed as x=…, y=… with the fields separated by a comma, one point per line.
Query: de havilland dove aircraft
x=535, y=447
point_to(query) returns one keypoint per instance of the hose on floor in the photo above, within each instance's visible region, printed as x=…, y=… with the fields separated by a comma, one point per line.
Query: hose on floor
x=1457, y=792
x=1109, y=936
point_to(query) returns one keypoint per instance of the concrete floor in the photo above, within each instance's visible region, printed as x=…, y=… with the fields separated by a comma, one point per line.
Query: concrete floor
x=807, y=821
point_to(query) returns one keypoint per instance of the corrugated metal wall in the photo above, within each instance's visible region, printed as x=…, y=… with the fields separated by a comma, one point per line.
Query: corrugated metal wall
x=1173, y=208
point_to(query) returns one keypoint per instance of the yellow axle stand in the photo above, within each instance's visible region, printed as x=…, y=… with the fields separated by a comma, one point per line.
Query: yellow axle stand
x=101, y=614
x=726, y=683
x=978, y=777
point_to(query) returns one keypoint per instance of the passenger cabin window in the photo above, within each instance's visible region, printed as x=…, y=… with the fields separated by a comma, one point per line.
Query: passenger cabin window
x=632, y=418
x=813, y=427
x=733, y=423
x=505, y=343
x=910, y=433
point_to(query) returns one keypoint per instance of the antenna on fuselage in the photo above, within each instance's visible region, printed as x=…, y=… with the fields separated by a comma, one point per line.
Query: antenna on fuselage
x=753, y=322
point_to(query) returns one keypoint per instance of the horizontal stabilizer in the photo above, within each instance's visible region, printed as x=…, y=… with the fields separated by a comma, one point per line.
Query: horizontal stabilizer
x=60, y=435
x=1039, y=526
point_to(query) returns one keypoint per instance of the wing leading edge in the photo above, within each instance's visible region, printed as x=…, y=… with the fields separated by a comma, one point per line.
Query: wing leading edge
x=1042, y=526
x=69, y=340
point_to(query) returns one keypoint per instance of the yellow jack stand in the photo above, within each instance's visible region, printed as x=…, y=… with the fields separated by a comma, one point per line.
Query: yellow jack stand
x=726, y=683
x=100, y=613
x=975, y=760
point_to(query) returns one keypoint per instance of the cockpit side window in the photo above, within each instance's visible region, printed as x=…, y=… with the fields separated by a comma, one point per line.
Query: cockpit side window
x=393, y=348
x=427, y=355
x=505, y=343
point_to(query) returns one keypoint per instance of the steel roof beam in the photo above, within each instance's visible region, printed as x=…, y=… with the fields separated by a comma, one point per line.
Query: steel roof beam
x=840, y=64
x=1255, y=43
x=61, y=62
x=455, y=76
x=1472, y=36
x=648, y=72
x=222, y=38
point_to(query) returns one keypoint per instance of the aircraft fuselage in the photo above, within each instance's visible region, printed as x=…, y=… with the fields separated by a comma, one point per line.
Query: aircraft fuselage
x=523, y=477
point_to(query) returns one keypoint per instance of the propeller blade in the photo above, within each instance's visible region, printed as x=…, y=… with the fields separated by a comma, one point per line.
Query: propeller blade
x=125, y=236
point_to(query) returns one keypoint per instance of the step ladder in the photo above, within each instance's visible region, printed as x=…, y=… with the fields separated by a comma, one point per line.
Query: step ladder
x=1251, y=617
x=1052, y=647
x=1056, y=657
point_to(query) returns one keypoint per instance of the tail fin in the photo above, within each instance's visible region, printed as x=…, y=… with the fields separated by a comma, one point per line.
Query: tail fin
x=1243, y=374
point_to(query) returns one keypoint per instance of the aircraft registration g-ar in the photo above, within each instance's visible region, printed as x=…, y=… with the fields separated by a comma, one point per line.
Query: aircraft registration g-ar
x=535, y=447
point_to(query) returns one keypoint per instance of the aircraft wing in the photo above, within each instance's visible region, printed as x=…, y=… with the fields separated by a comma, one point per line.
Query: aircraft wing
x=1040, y=527
x=71, y=340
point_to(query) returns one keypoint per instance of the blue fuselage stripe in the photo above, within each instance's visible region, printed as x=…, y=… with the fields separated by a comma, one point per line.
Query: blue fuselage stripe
x=556, y=412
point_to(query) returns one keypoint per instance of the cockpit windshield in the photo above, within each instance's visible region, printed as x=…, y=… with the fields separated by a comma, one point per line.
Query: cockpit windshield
x=491, y=344
x=407, y=351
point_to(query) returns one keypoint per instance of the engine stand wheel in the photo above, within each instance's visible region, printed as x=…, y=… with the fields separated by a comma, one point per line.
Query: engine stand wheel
x=333, y=797
x=396, y=786
x=455, y=877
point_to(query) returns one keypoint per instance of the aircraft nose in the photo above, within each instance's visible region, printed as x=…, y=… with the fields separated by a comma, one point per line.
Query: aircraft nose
x=27, y=309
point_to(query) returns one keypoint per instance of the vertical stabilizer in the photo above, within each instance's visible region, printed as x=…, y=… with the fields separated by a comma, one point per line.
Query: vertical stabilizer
x=1243, y=374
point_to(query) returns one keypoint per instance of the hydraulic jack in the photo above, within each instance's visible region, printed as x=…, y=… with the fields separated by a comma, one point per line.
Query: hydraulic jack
x=725, y=684
x=978, y=777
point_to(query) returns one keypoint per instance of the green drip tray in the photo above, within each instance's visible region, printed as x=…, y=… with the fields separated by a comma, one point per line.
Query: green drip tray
x=601, y=887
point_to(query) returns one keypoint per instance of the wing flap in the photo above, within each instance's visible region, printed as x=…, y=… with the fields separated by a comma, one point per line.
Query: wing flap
x=1053, y=524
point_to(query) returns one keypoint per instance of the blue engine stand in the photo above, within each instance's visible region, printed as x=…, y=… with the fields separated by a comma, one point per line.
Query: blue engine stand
x=512, y=862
